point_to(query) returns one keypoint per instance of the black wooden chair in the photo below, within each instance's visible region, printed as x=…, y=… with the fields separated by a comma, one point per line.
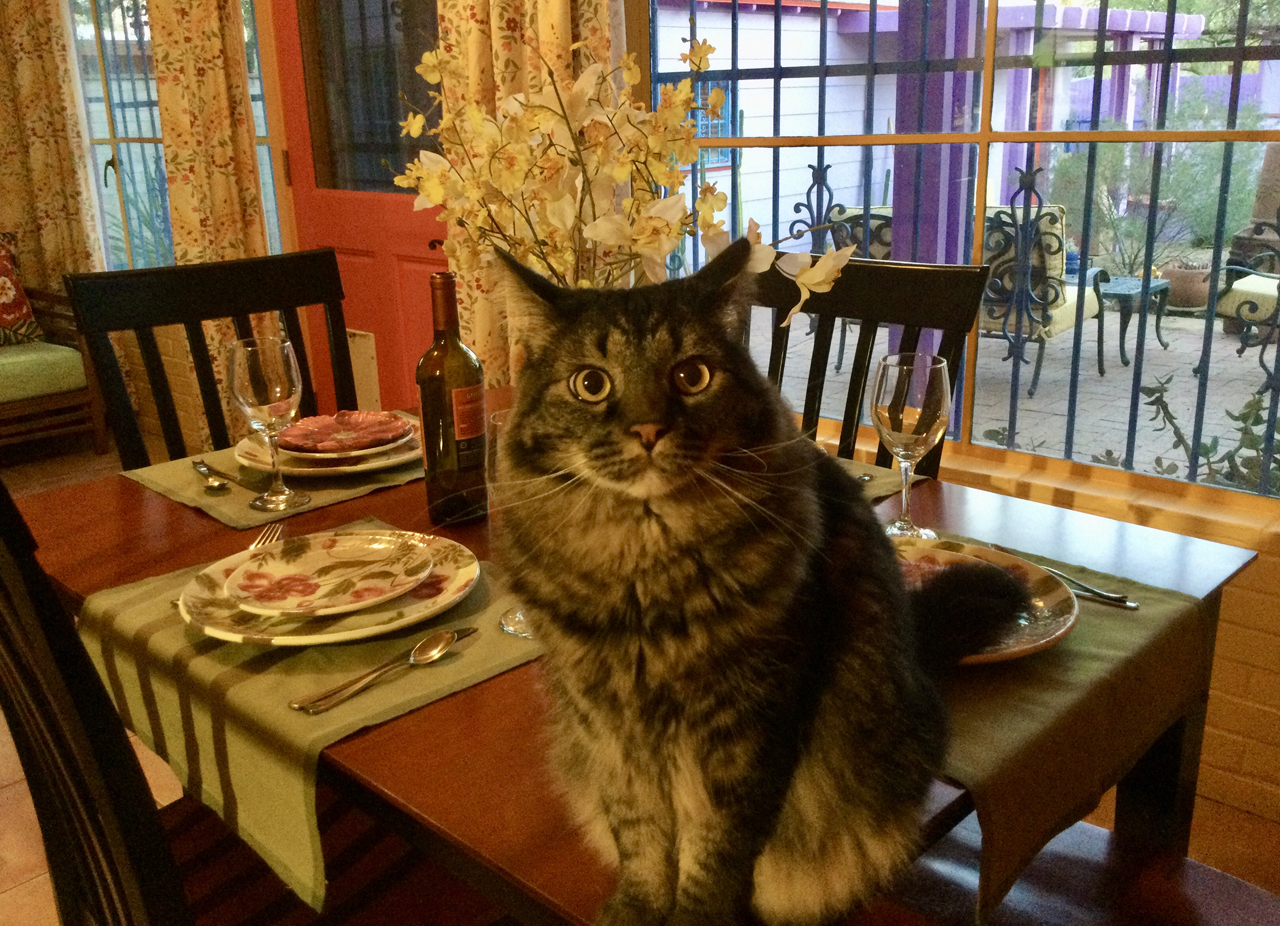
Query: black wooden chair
x=187, y=295
x=875, y=293
x=114, y=859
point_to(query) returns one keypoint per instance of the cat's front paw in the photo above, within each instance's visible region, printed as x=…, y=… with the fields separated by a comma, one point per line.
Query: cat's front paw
x=630, y=910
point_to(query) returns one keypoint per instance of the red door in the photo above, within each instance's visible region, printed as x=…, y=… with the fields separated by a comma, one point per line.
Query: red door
x=382, y=244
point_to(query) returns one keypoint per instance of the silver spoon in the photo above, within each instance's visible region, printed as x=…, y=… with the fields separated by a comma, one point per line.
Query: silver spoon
x=214, y=482
x=429, y=649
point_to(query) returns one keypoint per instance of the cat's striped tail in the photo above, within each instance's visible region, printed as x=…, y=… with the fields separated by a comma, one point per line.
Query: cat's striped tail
x=963, y=609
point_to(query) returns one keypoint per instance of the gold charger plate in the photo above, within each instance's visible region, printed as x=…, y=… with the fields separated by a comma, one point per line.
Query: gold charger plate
x=1053, y=611
x=205, y=605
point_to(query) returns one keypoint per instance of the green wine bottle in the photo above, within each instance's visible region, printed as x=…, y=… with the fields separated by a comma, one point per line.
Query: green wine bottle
x=451, y=387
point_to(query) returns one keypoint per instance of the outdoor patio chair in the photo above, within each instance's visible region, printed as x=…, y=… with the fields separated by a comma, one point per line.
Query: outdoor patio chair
x=187, y=295
x=917, y=297
x=1028, y=297
x=1251, y=280
x=114, y=858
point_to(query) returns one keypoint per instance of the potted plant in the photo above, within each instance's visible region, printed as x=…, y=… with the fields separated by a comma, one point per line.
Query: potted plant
x=1188, y=282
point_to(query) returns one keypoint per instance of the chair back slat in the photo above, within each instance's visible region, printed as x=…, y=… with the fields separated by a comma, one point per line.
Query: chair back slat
x=115, y=396
x=857, y=388
x=307, y=405
x=340, y=354
x=161, y=393
x=909, y=341
x=778, y=346
x=914, y=297
x=210, y=398
x=189, y=294
x=817, y=375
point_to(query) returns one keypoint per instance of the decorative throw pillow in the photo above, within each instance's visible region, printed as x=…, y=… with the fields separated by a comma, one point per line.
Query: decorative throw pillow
x=17, y=324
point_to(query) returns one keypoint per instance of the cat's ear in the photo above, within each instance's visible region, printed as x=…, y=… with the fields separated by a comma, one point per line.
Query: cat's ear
x=532, y=302
x=728, y=287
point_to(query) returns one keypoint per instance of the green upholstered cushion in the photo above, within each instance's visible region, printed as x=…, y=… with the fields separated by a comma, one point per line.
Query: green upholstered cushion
x=39, y=368
x=1259, y=290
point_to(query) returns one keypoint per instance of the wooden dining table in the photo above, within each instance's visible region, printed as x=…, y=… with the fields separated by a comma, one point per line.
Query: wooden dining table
x=465, y=776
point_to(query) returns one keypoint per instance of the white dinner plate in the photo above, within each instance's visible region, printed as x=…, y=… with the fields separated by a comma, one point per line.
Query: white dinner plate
x=204, y=605
x=1053, y=609
x=349, y=454
x=332, y=572
x=253, y=452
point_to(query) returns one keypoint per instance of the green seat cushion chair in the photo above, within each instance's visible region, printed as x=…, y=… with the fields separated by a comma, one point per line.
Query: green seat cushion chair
x=39, y=368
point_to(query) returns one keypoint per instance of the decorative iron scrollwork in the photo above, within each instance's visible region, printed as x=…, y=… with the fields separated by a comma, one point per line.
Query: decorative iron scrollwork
x=869, y=234
x=1017, y=243
x=1256, y=329
x=818, y=207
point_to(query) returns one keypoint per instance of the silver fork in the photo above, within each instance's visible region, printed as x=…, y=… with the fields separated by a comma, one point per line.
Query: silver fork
x=270, y=534
x=1082, y=589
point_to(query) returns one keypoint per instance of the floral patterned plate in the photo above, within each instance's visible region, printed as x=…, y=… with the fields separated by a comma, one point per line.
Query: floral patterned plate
x=253, y=452
x=329, y=573
x=204, y=605
x=1053, y=607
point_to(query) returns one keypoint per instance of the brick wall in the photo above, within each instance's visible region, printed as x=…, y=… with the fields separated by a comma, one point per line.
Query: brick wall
x=1241, y=760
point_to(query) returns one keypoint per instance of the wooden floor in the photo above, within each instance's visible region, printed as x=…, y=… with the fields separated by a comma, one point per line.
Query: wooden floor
x=1223, y=838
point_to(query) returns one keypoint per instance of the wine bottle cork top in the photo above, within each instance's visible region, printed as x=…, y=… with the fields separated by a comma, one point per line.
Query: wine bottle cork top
x=444, y=300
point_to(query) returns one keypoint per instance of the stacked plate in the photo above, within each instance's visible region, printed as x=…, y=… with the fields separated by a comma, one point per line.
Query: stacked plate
x=1053, y=609
x=329, y=587
x=335, y=445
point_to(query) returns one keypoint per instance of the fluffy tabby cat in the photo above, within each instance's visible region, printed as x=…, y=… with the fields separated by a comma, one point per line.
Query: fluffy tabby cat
x=745, y=721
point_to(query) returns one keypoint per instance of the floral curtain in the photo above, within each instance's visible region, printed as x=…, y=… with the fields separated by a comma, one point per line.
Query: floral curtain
x=509, y=45
x=210, y=151
x=45, y=196
x=205, y=116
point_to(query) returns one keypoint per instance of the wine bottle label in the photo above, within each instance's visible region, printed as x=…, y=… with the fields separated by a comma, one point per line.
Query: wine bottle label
x=470, y=454
x=468, y=412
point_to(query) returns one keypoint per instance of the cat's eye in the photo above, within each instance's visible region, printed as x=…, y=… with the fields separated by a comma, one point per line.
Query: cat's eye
x=691, y=376
x=590, y=384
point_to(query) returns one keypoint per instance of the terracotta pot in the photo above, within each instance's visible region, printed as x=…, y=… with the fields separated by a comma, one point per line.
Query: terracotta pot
x=1188, y=289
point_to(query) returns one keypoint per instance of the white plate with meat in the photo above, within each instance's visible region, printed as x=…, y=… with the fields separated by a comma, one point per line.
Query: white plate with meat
x=346, y=434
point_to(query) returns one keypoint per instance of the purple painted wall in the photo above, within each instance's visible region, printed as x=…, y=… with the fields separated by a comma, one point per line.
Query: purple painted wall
x=930, y=185
x=1216, y=87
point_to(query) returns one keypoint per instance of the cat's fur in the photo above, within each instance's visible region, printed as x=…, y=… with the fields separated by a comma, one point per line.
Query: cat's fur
x=742, y=721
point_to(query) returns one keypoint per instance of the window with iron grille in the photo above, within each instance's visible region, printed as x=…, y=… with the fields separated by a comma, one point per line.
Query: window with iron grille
x=1118, y=165
x=126, y=149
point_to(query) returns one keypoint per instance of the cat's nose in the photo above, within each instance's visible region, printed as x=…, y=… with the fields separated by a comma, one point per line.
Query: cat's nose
x=649, y=434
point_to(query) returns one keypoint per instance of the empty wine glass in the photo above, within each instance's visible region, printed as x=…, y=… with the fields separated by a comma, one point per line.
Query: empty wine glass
x=910, y=407
x=267, y=386
x=513, y=620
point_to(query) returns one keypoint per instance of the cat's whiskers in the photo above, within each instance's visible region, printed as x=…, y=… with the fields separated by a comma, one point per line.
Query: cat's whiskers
x=746, y=503
x=767, y=482
x=524, y=500
x=548, y=534
x=767, y=448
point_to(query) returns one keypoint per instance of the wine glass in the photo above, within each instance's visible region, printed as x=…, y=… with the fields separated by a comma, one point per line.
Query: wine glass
x=513, y=620
x=910, y=407
x=267, y=386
